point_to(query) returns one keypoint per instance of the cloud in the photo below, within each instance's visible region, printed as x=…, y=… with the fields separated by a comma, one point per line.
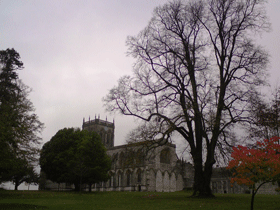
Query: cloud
x=74, y=52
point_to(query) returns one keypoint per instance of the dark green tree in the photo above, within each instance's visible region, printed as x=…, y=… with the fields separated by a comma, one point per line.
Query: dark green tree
x=22, y=171
x=9, y=64
x=19, y=125
x=57, y=156
x=196, y=66
x=92, y=163
x=75, y=156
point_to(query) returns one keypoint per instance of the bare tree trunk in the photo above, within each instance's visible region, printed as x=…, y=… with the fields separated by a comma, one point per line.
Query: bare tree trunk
x=77, y=186
x=89, y=187
x=16, y=185
x=252, y=198
x=202, y=180
x=254, y=192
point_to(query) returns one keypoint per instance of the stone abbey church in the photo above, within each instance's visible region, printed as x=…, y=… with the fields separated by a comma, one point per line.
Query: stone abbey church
x=135, y=169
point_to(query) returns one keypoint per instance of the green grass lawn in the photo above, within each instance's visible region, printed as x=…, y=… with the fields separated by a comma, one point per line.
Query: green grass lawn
x=130, y=200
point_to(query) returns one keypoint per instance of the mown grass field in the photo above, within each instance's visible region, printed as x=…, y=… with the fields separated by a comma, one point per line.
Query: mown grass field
x=23, y=200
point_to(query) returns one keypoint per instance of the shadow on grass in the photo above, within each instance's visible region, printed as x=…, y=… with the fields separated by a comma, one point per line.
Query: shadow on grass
x=11, y=194
x=188, y=197
x=20, y=206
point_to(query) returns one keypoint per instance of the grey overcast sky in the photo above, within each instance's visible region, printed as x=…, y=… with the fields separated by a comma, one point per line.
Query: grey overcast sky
x=74, y=52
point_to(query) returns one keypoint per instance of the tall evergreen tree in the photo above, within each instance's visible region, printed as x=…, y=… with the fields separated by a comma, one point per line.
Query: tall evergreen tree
x=19, y=125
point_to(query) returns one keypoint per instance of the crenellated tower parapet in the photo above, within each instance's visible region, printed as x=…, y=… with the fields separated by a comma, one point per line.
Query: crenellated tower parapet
x=104, y=128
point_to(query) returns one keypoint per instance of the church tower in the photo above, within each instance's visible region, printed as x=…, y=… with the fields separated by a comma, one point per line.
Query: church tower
x=105, y=129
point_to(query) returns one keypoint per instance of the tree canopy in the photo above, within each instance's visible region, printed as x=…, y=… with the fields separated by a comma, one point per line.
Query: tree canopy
x=22, y=171
x=196, y=68
x=256, y=166
x=20, y=127
x=265, y=115
x=75, y=156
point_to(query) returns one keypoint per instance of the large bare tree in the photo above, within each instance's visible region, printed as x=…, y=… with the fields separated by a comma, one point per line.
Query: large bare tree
x=196, y=66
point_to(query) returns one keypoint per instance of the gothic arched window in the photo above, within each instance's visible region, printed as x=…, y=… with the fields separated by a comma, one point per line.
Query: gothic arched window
x=139, y=176
x=140, y=157
x=122, y=160
x=108, y=138
x=128, y=178
x=165, y=156
x=119, y=179
x=111, y=180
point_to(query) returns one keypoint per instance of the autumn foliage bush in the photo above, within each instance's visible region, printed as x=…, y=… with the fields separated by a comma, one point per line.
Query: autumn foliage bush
x=256, y=165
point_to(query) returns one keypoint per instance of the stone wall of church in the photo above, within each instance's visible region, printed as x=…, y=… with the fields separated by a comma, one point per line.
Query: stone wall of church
x=268, y=188
x=135, y=169
x=220, y=183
